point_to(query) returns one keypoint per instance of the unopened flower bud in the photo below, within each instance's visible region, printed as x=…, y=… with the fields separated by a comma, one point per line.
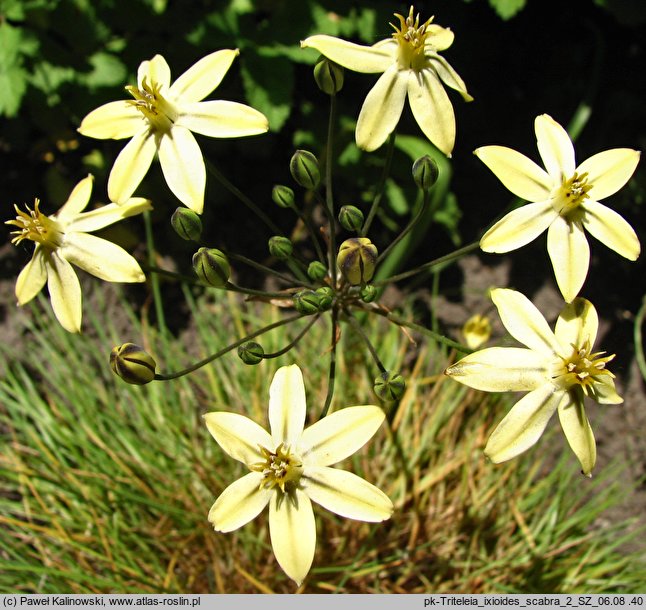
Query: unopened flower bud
x=306, y=302
x=133, y=364
x=282, y=196
x=187, y=224
x=425, y=172
x=212, y=266
x=368, y=293
x=316, y=271
x=325, y=296
x=280, y=247
x=305, y=169
x=251, y=352
x=351, y=218
x=328, y=76
x=357, y=259
x=389, y=386
x=476, y=331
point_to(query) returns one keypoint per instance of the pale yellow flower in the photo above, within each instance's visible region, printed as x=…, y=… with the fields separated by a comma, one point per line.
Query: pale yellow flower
x=565, y=201
x=63, y=240
x=160, y=120
x=412, y=67
x=558, y=369
x=476, y=331
x=290, y=467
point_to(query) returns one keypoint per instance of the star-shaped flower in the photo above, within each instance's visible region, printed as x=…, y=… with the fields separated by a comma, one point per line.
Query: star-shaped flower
x=290, y=467
x=557, y=369
x=63, y=239
x=412, y=66
x=565, y=201
x=160, y=120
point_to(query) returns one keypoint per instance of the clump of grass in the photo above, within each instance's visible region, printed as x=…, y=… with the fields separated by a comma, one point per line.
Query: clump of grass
x=106, y=487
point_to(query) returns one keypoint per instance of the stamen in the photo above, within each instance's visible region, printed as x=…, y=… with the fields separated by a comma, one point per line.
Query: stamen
x=37, y=227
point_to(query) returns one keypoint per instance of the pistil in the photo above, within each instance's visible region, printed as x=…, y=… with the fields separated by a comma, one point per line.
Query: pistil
x=37, y=227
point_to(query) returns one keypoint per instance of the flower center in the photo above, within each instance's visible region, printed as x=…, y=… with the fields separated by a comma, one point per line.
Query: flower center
x=153, y=105
x=281, y=468
x=411, y=37
x=34, y=225
x=583, y=367
x=572, y=193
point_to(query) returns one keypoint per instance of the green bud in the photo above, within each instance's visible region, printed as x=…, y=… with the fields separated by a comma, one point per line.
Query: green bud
x=251, y=352
x=351, y=218
x=212, y=266
x=282, y=196
x=305, y=169
x=425, y=172
x=306, y=302
x=325, y=296
x=357, y=259
x=280, y=247
x=316, y=271
x=133, y=364
x=368, y=293
x=389, y=386
x=187, y=224
x=328, y=76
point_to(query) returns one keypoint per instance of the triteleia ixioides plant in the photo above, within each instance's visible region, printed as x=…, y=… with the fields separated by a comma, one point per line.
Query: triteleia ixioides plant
x=565, y=201
x=411, y=66
x=160, y=120
x=558, y=369
x=290, y=468
x=62, y=240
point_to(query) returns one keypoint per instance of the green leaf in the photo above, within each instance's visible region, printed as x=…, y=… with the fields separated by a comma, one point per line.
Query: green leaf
x=13, y=77
x=107, y=71
x=268, y=85
x=506, y=9
x=396, y=198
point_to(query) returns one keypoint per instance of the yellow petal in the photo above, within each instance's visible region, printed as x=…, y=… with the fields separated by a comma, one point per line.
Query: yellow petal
x=203, y=77
x=239, y=503
x=340, y=434
x=293, y=533
x=156, y=71
x=449, y=76
x=32, y=278
x=524, y=322
x=603, y=391
x=577, y=323
x=222, y=119
x=239, y=437
x=524, y=424
x=438, y=38
x=570, y=255
x=346, y=494
x=64, y=293
x=356, y=57
x=100, y=258
x=131, y=166
x=381, y=109
x=287, y=406
x=578, y=432
x=77, y=201
x=519, y=227
x=107, y=215
x=432, y=109
x=610, y=229
x=608, y=171
x=114, y=120
x=517, y=172
x=183, y=167
x=502, y=369
x=555, y=147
